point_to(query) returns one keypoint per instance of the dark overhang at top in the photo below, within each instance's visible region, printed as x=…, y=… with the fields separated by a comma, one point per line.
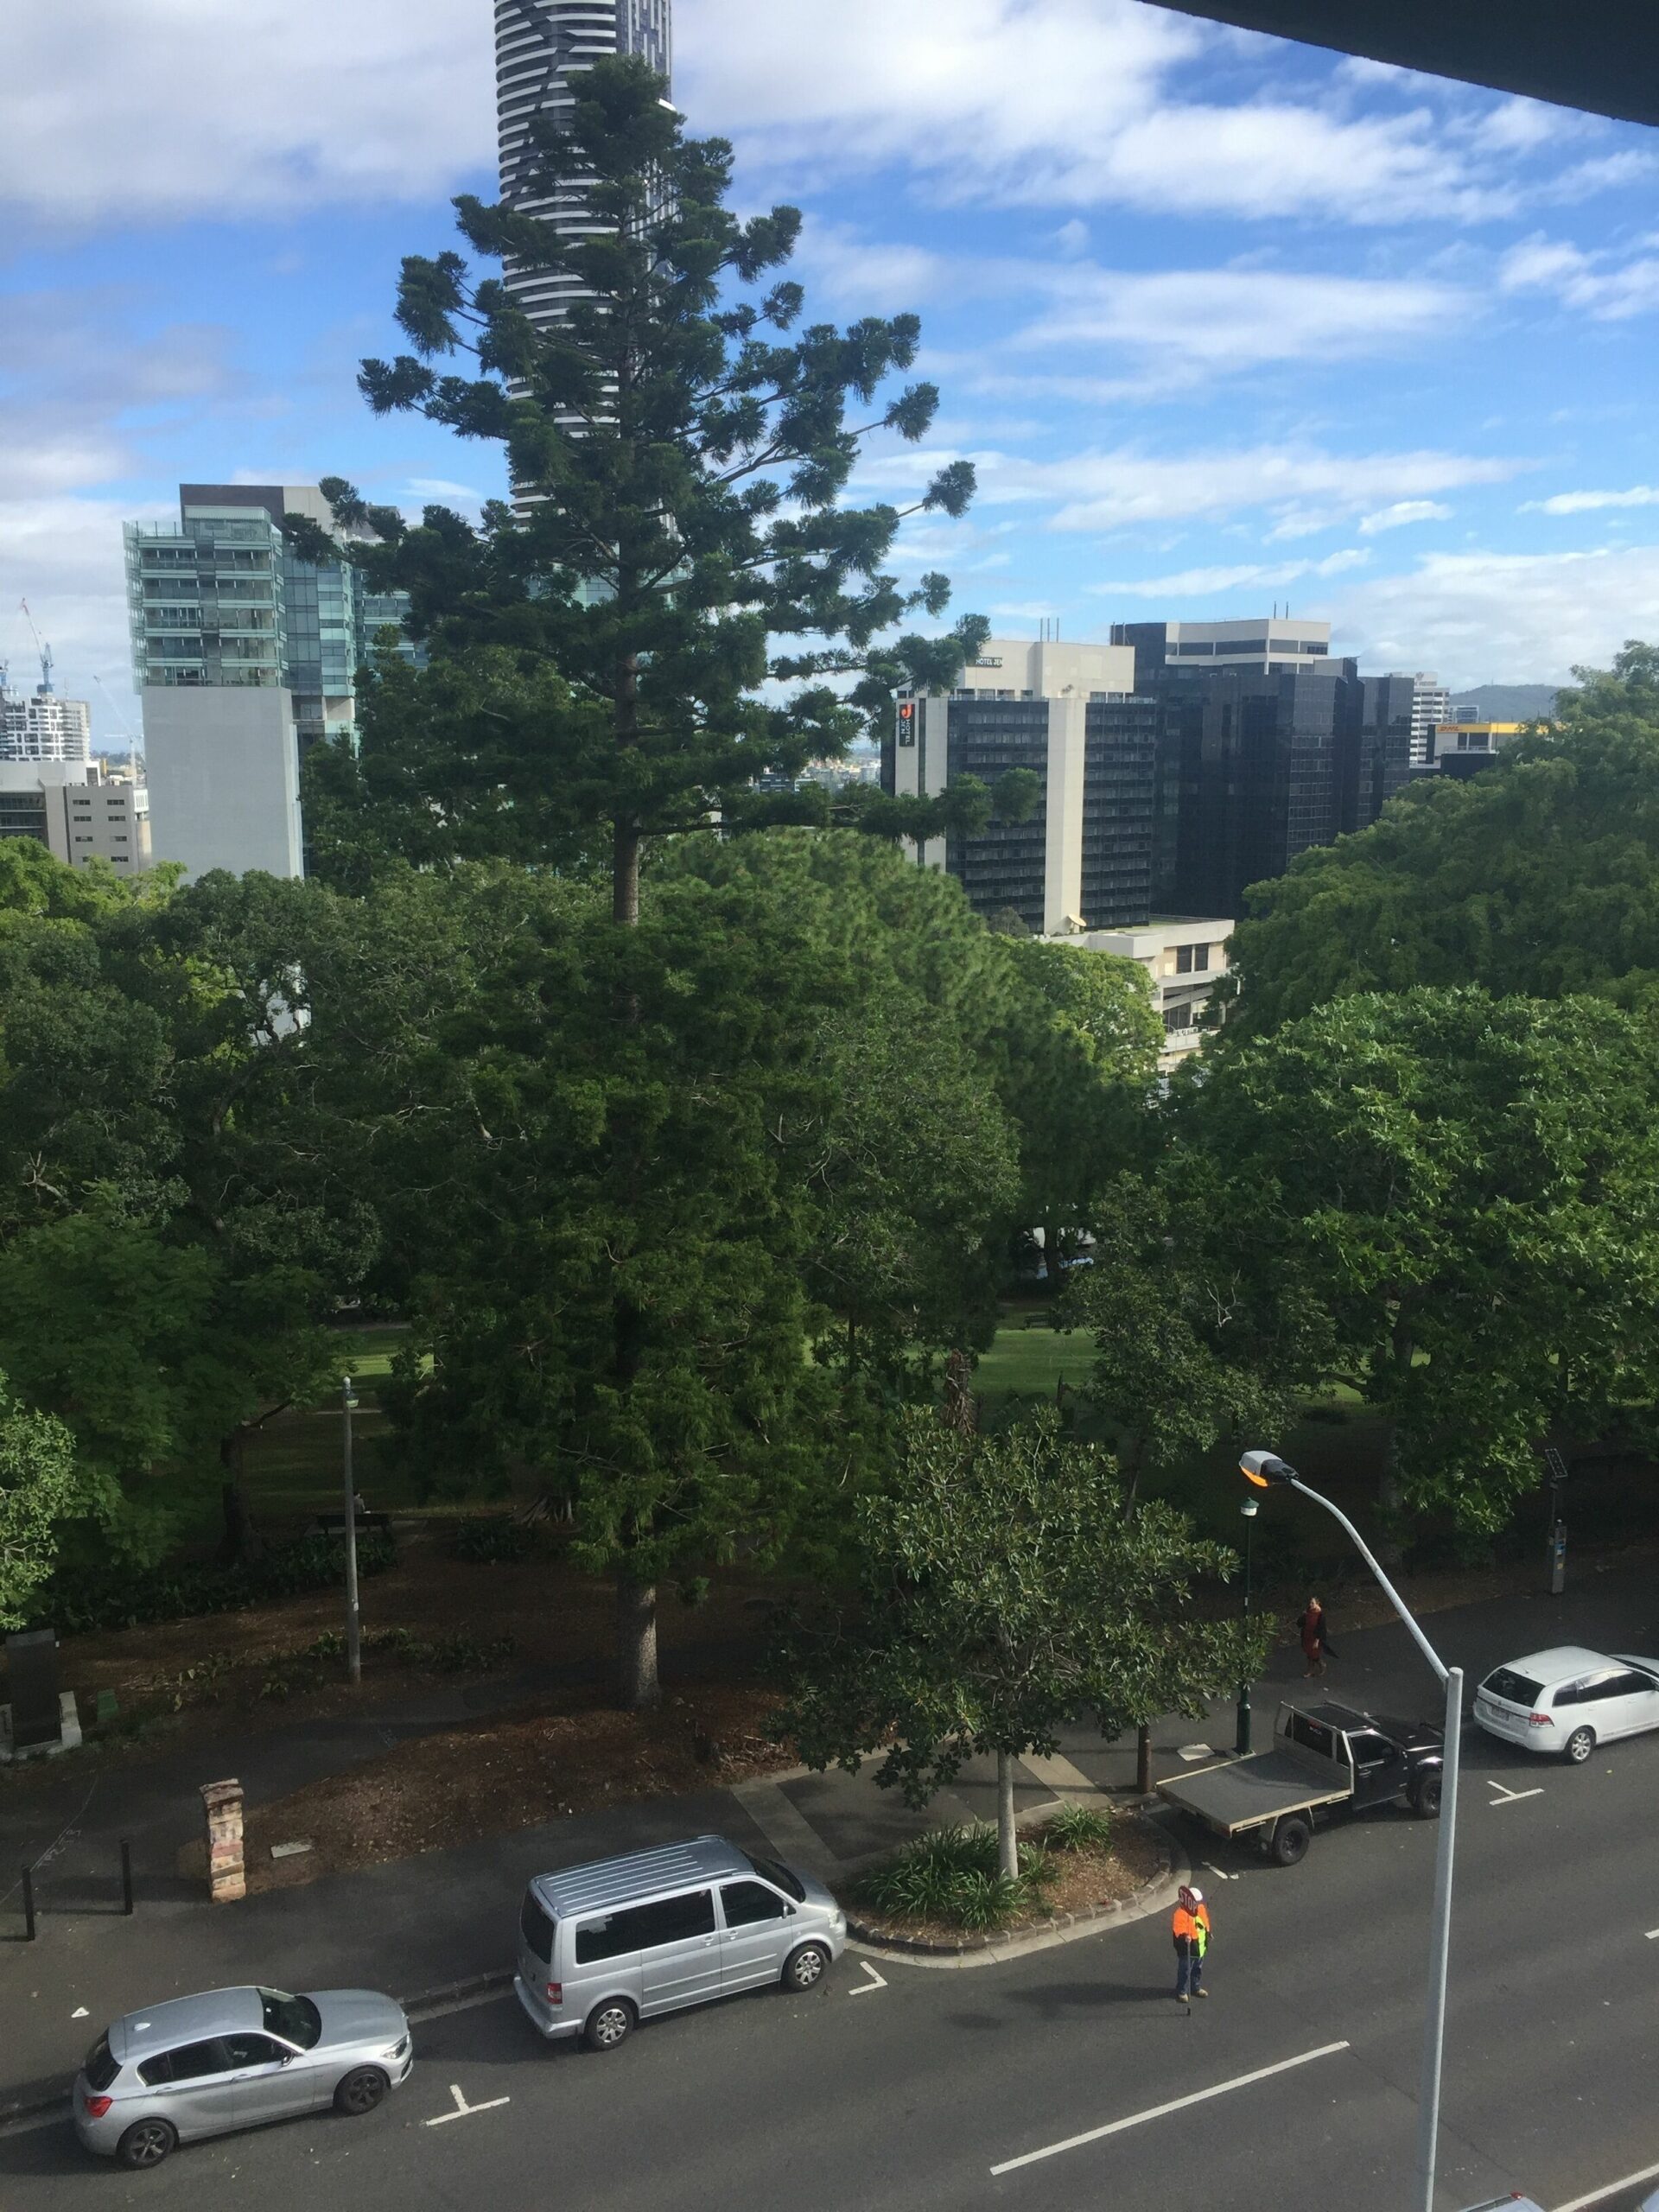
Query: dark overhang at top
x=1601, y=55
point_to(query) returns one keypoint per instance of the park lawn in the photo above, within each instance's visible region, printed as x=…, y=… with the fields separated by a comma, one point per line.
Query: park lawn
x=1030, y=1361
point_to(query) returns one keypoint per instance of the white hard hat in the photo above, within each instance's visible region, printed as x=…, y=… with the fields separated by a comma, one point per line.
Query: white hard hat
x=1197, y=1896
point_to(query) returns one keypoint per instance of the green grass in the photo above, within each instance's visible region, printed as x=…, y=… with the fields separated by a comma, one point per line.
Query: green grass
x=1028, y=1362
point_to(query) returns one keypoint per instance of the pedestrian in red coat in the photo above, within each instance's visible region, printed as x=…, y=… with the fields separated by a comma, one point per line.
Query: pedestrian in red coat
x=1316, y=1645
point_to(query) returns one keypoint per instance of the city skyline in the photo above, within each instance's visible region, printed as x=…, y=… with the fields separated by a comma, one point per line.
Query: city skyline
x=1221, y=320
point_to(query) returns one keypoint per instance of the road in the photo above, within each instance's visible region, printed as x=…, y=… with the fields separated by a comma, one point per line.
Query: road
x=1302, y=2068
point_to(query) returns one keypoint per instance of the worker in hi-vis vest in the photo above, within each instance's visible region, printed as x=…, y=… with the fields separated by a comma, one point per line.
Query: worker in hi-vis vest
x=1190, y=1926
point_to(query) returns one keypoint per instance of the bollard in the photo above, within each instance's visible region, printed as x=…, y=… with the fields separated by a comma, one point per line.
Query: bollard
x=126, y=1878
x=29, y=1906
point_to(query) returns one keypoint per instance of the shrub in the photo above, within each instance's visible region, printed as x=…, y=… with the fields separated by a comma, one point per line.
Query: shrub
x=490, y=1539
x=951, y=1875
x=79, y=1599
x=1079, y=1827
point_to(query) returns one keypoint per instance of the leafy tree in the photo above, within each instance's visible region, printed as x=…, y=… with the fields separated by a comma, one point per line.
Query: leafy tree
x=1539, y=876
x=1446, y=1200
x=680, y=450
x=1006, y=1587
x=39, y=1489
x=167, y=1244
x=1082, y=1046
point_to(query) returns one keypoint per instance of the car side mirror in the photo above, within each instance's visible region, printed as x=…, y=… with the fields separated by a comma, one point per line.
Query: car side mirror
x=287, y=2059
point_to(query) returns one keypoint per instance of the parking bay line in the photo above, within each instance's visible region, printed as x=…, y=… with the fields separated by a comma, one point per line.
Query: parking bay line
x=463, y=2110
x=1613, y=2187
x=1176, y=2104
x=1506, y=1795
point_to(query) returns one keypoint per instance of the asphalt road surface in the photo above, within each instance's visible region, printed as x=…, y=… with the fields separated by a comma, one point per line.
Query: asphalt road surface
x=943, y=2090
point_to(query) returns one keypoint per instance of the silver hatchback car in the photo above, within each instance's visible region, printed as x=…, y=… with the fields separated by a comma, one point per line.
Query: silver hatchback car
x=235, y=2058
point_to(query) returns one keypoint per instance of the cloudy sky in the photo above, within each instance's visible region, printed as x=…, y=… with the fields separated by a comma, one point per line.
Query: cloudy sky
x=1223, y=321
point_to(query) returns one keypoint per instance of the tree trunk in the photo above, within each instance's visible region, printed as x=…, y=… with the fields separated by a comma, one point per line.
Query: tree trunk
x=241, y=1541
x=1389, y=1544
x=1008, y=1842
x=1143, y=1761
x=625, y=875
x=638, y=1685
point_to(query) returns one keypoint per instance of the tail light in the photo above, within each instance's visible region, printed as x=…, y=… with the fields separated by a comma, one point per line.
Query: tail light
x=556, y=1992
x=1540, y=1719
x=97, y=2107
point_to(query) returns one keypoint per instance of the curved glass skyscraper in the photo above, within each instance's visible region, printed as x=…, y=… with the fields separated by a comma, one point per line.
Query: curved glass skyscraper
x=539, y=46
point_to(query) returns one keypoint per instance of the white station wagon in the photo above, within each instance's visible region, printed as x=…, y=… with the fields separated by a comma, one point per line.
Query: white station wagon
x=1569, y=1700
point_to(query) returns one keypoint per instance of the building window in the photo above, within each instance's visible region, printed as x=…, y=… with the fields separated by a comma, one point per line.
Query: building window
x=1192, y=959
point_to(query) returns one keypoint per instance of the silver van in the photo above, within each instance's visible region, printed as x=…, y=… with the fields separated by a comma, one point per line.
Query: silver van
x=604, y=1946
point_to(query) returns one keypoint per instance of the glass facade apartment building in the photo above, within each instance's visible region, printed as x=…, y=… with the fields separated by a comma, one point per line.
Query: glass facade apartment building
x=245, y=656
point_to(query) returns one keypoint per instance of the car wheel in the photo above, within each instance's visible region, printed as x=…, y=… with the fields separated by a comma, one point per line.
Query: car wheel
x=806, y=1968
x=1578, y=1746
x=1290, y=1840
x=361, y=2091
x=1425, y=1798
x=146, y=2143
x=608, y=2024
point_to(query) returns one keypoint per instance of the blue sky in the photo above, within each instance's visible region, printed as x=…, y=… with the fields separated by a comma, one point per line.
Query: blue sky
x=1221, y=321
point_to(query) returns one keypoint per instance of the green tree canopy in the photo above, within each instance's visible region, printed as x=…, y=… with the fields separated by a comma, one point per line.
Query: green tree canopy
x=1446, y=1200
x=1540, y=876
x=681, y=448
x=1005, y=1586
x=41, y=1488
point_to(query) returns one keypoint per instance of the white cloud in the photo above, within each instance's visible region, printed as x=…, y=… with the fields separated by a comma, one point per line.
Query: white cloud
x=1239, y=318
x=1111, y=488
x=1401, y=513
x=841, y=266
x=1204, y=583
x=1580, y=502
x=181, y=110
x=1600, y=285
x=1513, y=618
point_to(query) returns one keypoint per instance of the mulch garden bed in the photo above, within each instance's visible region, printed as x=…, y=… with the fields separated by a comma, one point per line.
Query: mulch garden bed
x=1086, y=1881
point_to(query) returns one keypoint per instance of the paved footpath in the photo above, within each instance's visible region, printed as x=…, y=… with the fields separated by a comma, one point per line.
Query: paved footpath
x=1067, y=2077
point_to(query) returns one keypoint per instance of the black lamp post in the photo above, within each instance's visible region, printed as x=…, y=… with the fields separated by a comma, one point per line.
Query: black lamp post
x=1242, y=1740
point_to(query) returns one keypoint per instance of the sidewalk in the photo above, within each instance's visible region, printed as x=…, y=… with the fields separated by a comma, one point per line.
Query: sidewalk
x=447, y=1918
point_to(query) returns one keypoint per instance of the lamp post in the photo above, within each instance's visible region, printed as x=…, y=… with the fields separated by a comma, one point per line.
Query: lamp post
x=353, y=1626
x=1242, y=1741
x=1265, y=1469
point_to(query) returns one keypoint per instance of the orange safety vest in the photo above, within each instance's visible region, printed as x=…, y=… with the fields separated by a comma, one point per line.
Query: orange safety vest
x=1193, y=1925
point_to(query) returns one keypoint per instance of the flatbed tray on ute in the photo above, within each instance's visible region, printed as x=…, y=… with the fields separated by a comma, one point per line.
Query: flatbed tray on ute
x=1245, y=1793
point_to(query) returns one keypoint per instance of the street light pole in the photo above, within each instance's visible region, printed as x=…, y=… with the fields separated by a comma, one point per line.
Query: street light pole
x=353, y=1626
x=1265, y=1469
x=1242, y=1741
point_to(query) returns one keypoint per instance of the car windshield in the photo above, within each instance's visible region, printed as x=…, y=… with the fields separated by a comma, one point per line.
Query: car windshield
x=1513, y=1689
x=770, y=1871
x=100, y=2068
x=296, y=2019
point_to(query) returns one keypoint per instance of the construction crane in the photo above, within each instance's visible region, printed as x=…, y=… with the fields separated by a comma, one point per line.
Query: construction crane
x=41, y=648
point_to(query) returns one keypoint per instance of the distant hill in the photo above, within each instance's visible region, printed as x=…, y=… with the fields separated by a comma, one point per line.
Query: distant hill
x=1508, y=702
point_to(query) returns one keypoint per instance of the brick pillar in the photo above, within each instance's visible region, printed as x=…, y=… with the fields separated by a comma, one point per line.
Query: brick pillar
x=222, y=1801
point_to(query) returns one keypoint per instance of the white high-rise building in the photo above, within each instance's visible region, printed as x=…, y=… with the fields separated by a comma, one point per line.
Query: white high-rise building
x=1431, y=705
x=540, y=45
x=42, y=727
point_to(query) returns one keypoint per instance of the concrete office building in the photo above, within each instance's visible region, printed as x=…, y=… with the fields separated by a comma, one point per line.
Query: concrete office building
x=1431, y=705
x=40, y=725
x=1263, y=645
x=1067, y=714
x=1463, y=749
x=76, y=813
x=245, y=656
x=1185, y=956
x=540, y=46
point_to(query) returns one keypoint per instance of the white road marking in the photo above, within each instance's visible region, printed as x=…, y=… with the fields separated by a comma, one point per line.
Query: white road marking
x=463, y=2110
x=1653, y=1934
x=1176, y=2104
x=1600, y=2195
x=79, y=2013
x=1506, y=1796
x=1211, y=1867
x=875, y=1981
